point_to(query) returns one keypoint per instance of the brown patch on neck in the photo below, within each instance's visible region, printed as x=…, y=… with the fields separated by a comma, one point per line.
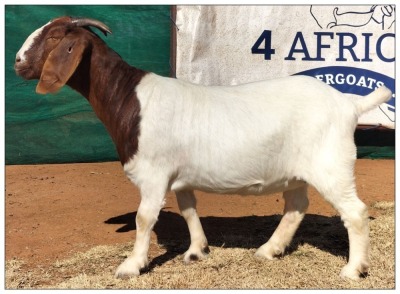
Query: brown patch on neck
x=119, y=110
x=109, y=84
x=125, y=127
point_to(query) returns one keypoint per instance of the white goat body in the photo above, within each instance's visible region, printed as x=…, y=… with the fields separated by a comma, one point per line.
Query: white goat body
x=250, y=139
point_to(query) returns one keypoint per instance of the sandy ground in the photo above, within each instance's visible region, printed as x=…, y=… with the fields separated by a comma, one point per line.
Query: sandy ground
x=53, y=211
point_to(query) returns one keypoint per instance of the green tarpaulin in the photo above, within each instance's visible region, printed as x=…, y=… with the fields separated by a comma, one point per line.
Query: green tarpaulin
x=62, y=127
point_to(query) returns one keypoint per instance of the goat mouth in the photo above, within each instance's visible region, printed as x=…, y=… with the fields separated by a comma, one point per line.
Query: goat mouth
x=24, y=72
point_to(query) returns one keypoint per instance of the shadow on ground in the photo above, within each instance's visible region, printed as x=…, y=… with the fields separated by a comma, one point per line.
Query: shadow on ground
x=248, y=232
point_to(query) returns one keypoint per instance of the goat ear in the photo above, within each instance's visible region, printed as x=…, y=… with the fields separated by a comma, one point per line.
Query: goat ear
x=61, y=64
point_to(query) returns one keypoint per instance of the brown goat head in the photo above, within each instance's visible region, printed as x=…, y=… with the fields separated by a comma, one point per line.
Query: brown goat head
x=61, y=63
x=52, y=52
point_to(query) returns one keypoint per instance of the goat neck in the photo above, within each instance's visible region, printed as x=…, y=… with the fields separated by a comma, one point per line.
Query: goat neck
x=109, y=84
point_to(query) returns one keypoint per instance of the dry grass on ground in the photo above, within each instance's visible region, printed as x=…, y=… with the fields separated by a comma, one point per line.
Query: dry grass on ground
x=306, y=266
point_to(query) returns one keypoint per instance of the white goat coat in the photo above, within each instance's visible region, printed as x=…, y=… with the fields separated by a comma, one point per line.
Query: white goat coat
x=255, y=138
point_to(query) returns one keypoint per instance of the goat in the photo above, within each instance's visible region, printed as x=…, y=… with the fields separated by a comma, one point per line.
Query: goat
x=257, y=138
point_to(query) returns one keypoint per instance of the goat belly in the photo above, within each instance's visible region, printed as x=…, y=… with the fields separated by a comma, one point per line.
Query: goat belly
x=257, y=187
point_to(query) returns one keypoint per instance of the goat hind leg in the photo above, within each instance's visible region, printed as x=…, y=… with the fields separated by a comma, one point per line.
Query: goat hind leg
x=354, y=214
x=296, y=204
x=356, y=221
x=198, y=242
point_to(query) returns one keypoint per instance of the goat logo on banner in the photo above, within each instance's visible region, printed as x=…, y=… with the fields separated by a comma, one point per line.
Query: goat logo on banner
x=326, y=18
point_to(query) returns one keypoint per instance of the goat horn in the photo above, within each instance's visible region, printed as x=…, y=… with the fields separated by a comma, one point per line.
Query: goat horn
x=82, y=22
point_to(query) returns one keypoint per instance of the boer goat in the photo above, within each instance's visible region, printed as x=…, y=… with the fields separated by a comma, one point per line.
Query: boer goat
x=257, y=138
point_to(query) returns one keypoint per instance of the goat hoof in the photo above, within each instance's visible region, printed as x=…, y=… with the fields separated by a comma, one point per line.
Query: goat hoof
x=123, y=274
x=267, y=252
x=351, y=272
x=129, y=268
x=195, y=255
x=262, y=256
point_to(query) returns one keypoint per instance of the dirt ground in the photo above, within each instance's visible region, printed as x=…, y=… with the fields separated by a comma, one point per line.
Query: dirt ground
x=53, y=211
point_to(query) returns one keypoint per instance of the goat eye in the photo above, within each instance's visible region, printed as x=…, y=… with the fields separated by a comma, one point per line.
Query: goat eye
x=69, y=49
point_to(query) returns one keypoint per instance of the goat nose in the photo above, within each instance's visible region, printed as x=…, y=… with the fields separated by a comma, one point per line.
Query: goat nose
x=17, y=59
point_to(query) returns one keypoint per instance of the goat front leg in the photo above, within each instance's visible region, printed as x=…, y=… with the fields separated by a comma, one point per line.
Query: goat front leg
x=198, y=242
x=152, y=200
x=296, y=204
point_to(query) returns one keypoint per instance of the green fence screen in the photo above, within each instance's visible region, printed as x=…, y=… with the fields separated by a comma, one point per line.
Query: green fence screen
x=62, y=128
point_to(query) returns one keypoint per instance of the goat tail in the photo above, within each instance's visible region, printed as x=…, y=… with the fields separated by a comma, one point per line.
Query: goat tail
x=372, y=100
